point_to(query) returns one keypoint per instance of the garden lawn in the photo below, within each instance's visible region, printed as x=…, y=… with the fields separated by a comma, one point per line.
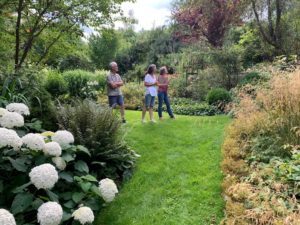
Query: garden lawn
x=177, y=180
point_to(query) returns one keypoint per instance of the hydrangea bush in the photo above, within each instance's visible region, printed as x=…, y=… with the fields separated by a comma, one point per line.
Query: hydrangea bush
x=44, y=177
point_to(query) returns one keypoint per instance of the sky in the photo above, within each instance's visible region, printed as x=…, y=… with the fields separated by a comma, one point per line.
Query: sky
x=149, y=13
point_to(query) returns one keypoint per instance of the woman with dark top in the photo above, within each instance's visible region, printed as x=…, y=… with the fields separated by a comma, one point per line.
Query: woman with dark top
x=163, y=84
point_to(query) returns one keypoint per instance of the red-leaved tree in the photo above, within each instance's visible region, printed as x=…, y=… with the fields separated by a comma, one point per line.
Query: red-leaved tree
x=209, y=19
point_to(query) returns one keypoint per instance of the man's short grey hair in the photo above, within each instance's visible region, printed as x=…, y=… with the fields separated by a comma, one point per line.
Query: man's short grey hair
x=112, y=64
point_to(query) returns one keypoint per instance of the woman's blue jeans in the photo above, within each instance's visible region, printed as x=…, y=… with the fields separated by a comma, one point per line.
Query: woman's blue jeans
x=163, y=97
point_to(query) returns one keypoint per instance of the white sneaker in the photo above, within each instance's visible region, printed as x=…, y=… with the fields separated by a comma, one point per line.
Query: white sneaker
x=153, y=121
x=143, y=121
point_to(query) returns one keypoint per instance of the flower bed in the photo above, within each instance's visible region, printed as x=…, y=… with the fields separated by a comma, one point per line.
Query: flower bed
x=44, y=176
x=261, y=155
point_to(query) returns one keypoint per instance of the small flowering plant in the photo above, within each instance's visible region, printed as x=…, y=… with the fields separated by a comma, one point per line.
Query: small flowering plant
x=45, y=177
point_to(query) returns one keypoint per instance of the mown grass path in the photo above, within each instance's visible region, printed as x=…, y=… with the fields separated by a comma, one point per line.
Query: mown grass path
x=178, y=179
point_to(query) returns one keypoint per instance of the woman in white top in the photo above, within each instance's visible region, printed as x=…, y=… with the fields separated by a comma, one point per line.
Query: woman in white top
x=150, y=83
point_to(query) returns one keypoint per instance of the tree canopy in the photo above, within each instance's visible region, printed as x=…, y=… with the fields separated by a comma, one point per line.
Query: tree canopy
x=27, y=20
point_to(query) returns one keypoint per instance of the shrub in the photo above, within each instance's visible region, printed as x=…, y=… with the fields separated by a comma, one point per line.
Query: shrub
x=196, y=86
x=178, y=87
x=84, y=84
x=185, y=106
x=99, y=129
x=35, y=171
x=250, y=78
x=133, y=95
x=76, y=81
x=218, y=95
x=43, y=107
x=28, y=87
x=100, y=77
x=55, y=83
x=229, y=63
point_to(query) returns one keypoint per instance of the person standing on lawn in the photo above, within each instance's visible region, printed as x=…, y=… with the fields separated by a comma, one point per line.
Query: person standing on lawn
x=150, y=83
x=163, y=84
x=114, y=82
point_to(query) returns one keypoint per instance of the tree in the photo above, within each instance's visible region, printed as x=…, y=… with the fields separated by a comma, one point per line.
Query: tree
x=103, y=48
x=272, y=34
x=32, y=18
x=269, y=16
x=206, y=19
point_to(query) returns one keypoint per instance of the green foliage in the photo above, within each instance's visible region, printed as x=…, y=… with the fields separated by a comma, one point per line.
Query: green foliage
x=253, y=49
x=97, y=128
x=178, y=87
x=77, y=81
x=218, y=95
x=100, y=77
x=55, y=83
x=73, y=62
x=146, y=47
x=133, y=95
x=69, y=51
x=288, y=169
x=229, y=63
x=42, y=107
x=103, y=48
x=28, y=87
x=291, y=31
x=250, y=78
x=77, y=184
x=23, y=198
x=185, y=106
x=6, y=52
x=39, y=34
x=161, y=43
x=265, y=147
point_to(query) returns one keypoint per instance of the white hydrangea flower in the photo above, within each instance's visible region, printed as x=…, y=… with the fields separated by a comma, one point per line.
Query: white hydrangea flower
x=6, y=218
x=44, y=176
x=52, y=148
x=2, y=111
x=10, y=138
x=59, y=162
x=84, y=215
x=18, y=108
x=11, y=119
x=63, y=137
x=50, y=213
x=108, y=189
x=34, y=141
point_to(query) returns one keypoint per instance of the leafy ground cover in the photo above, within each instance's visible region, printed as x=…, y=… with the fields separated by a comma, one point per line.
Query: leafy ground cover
x=178, y=177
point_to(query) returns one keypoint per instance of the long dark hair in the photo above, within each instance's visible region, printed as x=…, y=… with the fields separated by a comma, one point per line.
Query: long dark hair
x=151, y=69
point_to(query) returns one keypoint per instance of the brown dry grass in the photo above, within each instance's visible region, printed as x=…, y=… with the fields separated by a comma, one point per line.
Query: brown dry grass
x=273, y=109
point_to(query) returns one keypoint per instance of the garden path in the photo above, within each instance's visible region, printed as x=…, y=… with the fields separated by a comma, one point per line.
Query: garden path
x=177, y=180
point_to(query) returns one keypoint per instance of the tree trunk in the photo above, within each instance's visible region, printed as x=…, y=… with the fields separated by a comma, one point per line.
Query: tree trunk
x=271, y=36
x=17, y=47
